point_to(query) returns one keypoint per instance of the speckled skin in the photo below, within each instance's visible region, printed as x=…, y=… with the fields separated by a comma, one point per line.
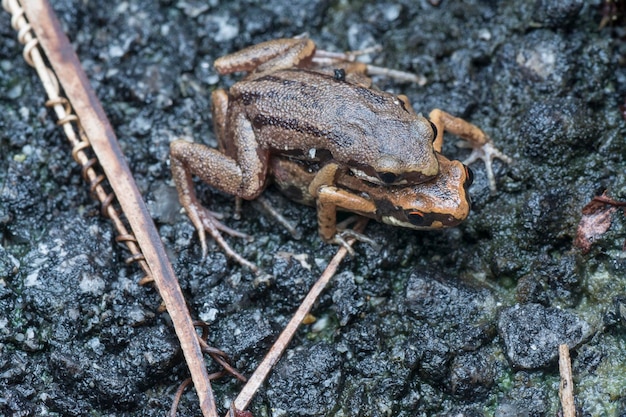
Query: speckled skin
x=314, y=116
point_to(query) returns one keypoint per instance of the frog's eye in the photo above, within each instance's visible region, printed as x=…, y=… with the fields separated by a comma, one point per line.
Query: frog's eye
x=416, y=218
x=434, y=130
x=387, y=177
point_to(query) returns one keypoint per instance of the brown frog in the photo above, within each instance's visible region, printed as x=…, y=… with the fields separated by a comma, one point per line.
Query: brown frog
x=294, y=102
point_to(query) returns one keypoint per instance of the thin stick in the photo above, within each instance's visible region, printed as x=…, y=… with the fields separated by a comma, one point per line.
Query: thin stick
x=104, y=143
x=274, y=354
x=327, y=58
x=566, y=387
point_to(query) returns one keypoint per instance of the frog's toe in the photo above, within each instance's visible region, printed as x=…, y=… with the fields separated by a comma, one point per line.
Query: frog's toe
x=486, y=153
x=232, y=232
x=340, y=239
x=214, y=227
x=215, y=214
x=277, y=215
x=231, y=253
x=209, y=221
x=361, y=238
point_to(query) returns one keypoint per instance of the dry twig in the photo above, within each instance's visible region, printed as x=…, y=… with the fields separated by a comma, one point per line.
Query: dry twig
x=94, y=129
x=566, y=387
x=277, y=349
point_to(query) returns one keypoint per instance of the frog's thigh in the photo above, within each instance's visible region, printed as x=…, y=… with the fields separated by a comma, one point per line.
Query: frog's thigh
x=219, y=109
x=457, y=126
x=329, y=200
x=252, y=160
x=210, y=165
x=274, y=54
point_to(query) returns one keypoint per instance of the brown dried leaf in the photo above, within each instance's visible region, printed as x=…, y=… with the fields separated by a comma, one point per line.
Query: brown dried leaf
x=595, y=221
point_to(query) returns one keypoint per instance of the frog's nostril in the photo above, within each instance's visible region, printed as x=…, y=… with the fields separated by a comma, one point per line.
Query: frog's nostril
x=388, y=177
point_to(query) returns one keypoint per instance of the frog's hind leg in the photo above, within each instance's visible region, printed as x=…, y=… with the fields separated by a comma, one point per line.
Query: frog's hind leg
x=216, y=169
x=278, y=217
x=219, y=111
x=481, y=145
x=326, y=60
x=274, y=54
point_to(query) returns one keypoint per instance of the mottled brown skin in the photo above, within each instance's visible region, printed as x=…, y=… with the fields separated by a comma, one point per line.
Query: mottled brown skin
x=439, y=203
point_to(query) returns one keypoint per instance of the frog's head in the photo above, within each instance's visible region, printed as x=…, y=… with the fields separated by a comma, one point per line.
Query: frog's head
x=404, y=153
x=439, y=203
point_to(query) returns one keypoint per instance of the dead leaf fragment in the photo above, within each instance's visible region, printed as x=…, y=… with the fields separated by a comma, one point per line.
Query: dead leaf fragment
x=595, y=221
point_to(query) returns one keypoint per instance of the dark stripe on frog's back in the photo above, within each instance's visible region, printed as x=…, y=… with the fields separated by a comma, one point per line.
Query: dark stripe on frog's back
x=279, y=90
x=300, y=126
x=308, y=85
x=274, y=99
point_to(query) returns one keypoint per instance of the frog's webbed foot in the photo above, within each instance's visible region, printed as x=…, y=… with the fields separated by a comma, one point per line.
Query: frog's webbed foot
x=486, y=152
x=209, y=223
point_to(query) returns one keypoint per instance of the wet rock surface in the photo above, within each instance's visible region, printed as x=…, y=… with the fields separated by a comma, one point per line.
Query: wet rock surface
x=300, y=372
x=530, y=333
x=459, y=322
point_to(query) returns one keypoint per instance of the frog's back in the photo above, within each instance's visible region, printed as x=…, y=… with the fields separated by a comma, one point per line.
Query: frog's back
x=315, y=103
x=317, y=115
x=302, y=92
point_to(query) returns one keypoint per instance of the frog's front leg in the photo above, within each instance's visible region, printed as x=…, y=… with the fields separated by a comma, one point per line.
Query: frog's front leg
x=329, y=198
x=481, y=145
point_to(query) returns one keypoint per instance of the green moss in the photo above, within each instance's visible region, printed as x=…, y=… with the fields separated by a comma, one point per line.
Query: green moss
x=600, y=392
